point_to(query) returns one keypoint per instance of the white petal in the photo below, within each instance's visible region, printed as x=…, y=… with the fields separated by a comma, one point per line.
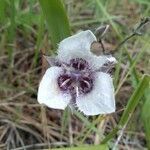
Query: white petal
x=49, y=92
x=76, y=46
x=101, y=99
x=111, y=59
x=51, y=60
x=98, y=61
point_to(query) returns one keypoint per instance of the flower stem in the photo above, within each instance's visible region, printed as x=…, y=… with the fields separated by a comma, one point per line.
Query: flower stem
x=136, y=32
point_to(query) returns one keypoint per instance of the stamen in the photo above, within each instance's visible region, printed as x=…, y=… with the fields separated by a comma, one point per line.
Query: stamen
x=87, y=83
x=65, y=82
x=79, y=64
x=77, y=80
x=77, y=91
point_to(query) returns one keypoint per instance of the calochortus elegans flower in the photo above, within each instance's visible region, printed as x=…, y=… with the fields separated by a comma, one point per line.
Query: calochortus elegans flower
x=78, y=78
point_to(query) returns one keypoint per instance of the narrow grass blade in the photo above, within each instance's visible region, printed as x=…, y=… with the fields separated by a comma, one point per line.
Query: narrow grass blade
x=11, y=31
x=132, y=66
x=95, y=147
x=134, y=100
x=2, y=10
x=132, y=104
x=87, y=123
x=146, y=115
x=57, y=20
x=93, y=20
x=104, y=11
x=39, y=39
x=65, y=121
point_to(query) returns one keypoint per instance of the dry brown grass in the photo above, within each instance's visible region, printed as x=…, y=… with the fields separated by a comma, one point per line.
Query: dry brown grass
x=24, y=124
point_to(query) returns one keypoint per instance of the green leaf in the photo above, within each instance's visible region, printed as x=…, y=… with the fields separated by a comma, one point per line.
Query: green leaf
x=95, y=147
x=57, y=20
x=134, y=99
x=65, y=120
x=11, y=32
x=132, y=104
x=146, y=115
x=3, y=5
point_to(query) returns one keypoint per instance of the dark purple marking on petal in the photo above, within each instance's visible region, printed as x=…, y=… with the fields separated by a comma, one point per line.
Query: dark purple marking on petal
x=86, y=84
x=64, y=82
x=69, y=83
x=77, y=77
x=79, y=64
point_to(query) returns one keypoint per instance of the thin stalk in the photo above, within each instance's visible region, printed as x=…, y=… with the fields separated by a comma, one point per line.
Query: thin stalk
x=130, y=69
x=124, y=41
x=136, y=32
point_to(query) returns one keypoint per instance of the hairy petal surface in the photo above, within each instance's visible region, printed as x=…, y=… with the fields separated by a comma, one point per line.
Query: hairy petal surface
x=49, y=92
x=101, y=99
x=98, y=61
x=76, y=46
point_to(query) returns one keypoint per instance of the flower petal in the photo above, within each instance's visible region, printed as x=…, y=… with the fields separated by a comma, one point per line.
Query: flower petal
x=76, y=46
x=101, y=99
x=52, y=60
x=98, y=61
x=49, y=92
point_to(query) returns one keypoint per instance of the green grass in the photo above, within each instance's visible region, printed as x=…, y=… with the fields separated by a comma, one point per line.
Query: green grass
x=103, y=147
x=29, y=28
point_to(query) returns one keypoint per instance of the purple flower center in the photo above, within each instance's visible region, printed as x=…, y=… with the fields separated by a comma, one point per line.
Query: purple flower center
x=78, y=80
x=79, y=64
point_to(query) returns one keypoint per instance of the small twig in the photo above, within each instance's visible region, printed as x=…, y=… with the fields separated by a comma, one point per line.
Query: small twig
x=124, y=41
x=136, y=32
x=100, y=32
x=102, y=45
x=119, y=137
x=33, y=146
x=18, y=137
x=15, y=96
x=101, y=128
x=121, y=134
x=70, y=128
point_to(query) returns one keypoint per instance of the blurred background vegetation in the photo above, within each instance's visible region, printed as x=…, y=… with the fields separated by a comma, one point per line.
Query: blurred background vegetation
x=24, y=36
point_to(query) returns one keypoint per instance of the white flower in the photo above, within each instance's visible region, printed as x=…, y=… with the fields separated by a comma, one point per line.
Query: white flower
x=78, y=78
